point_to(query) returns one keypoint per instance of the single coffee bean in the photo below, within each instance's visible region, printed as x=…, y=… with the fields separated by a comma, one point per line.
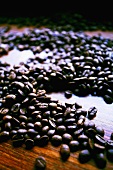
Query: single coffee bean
x=68, y=94
x=61, y=129
x=4, y=136
x=66, y=138
x=64, y=151
x=84, y=156
x=74, y=145
x=56, y=140
x=43, y=141
x=100, y=160
x=29, y=143
x=92, y=112
x=99, y=130
x=100, y=140
x=40, y=163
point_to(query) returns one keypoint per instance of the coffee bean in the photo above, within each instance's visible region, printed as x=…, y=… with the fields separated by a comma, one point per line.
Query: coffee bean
x=84, y=156
x=100, y=160
x=74, y=145
x=66, y=138
x=92, y=112
x=64, y=151
x=29, y=143
x=56, y=140
x=40, y=163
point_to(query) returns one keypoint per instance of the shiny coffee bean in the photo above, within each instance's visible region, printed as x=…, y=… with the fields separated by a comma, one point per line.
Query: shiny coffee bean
x=100, y=160
x=74, y=145
x=64, y=151
x=84, y=156
x=40, y=163
x=56, y=140
x=29, y=143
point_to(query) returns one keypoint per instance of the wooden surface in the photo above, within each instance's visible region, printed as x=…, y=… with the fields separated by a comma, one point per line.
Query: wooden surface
x=21, y=159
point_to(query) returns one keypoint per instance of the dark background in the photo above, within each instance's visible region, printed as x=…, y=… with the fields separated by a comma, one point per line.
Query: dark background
x=97, y=10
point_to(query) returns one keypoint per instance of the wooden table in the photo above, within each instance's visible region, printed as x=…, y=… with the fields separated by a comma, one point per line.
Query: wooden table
x=21, y=159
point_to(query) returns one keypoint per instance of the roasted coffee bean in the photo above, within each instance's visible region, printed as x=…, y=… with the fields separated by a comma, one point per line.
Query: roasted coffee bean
x=82, y=138
x=40, y=163
x=21, y=131
x=4, y=111
x=64, y=151
x=8, y=126
x=98, y=148
x=84, y=156
x=29, y=143
x=68, y=94
x=43, y=141
x=100, y=140
x=71, y=128
x=74, y=145
x=100, y=130
x=32, y=133
x=45, y=129
x=92, y=112
x=61, y=129
x=37, y=139
x=100, y=160
x=30, y=126
x=90, y=133
x=17, y=140
x=51, y=132
x=15, y=108
x=4, y=136
x=7, y=118
x=38, y=126
x=56, y=140
x=66, y=138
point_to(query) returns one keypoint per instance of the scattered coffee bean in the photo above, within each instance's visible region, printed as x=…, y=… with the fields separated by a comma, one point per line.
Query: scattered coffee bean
x=84, y=156
x=40, y=163
x=64, y=151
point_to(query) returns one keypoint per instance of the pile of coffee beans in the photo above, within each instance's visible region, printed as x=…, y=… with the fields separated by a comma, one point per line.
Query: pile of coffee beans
x=29, y=117
x=67, y=61
x=76, y=62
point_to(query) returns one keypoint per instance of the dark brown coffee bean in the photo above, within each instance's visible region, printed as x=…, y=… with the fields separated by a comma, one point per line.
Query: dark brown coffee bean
x=56, y=140
x=92, y=112
x=50, y=133
x=66, y=138
x=64, y=151
x=43, y=141
x=84, y=156
x=17, y=140
x=74, y=145
x=100, y=130
x=100, y=140
x=4, y=136
x=40, y=163
x=61, y=129
x=68, y=94
x=29, y=143
x=100, y=160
